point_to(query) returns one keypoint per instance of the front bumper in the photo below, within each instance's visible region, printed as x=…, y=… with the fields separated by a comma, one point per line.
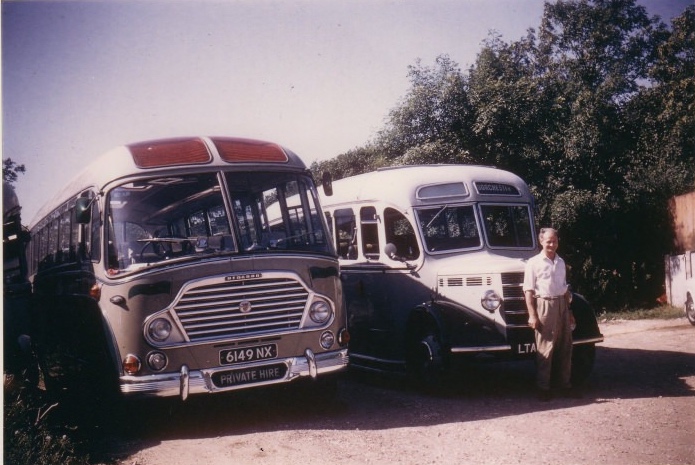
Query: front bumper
x=185, y=382
x=518, y=348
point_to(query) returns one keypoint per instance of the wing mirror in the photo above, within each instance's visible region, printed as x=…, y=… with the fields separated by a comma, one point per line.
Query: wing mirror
x=327, y=181
x=83, y=210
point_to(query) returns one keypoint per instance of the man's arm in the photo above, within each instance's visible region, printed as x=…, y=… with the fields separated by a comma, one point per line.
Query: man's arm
x=533, y=320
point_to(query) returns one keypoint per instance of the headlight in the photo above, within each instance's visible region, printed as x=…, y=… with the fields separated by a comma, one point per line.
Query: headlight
x=320, y=312
x=490, y=301
x=159, y=329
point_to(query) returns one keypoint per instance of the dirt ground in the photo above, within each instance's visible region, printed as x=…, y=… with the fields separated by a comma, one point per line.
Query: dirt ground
x=638, y=408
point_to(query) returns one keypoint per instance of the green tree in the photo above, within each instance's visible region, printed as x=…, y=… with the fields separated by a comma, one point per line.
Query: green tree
x=429, y=125
x=590, y=59
x=356, y=161
x=596, y=111
x=11, y=170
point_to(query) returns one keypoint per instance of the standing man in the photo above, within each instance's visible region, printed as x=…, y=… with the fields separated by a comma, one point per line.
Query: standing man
x=547, y=300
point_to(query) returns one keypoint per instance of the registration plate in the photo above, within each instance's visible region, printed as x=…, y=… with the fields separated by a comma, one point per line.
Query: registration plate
x=228, y=378
x=248, y=354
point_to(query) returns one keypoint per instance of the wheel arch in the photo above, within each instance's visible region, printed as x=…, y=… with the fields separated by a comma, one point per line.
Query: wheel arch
x=585, y=318
x=422, y=318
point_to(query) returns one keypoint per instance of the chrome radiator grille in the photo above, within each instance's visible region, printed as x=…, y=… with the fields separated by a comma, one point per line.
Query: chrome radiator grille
x=514, y=308
x=213, y=310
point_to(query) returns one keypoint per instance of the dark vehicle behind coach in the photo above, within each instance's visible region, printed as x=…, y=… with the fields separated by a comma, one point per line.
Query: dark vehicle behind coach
x=17, y=359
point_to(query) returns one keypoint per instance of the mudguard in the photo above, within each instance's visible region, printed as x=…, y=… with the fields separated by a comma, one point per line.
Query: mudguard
x=585, y=317
x=459, y=326
x=72, y=343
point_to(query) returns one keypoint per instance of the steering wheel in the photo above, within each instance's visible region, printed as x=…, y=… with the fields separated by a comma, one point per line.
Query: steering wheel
x=156, y=248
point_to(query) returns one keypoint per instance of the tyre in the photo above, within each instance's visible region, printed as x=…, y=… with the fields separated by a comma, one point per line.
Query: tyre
x=425, y=362
x=583, y=357
x=690, y=309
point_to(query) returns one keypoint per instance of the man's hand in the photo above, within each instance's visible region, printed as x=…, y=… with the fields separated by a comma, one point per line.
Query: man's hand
x=534, y=322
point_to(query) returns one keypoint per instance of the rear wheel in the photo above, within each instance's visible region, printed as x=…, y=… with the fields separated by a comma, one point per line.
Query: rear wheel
x=583, y=357
x=86, y=389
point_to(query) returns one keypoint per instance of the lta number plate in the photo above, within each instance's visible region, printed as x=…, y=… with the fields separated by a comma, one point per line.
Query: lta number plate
x=248, y=354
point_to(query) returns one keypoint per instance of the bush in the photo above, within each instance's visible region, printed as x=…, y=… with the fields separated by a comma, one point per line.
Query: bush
x=32, y=436
x=662, y=312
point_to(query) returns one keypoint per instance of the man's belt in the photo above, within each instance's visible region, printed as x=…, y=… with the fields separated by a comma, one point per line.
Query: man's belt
x=549, y=297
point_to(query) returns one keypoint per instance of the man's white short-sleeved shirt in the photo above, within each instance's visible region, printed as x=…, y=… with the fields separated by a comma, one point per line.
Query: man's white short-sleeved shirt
x=545, y=277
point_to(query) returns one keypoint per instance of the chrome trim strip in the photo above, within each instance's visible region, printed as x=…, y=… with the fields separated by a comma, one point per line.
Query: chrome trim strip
x=376, y=359
x=459, y=350
x=187, y=382
x=591, y=340
x=466, y=350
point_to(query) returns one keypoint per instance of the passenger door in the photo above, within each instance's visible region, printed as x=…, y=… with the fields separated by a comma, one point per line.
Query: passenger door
x=380, y=290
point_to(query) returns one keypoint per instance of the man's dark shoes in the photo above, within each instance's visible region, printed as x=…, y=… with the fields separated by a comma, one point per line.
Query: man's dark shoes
x=544, y=395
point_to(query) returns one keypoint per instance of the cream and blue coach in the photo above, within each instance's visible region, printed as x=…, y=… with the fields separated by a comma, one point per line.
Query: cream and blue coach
x=432, y=260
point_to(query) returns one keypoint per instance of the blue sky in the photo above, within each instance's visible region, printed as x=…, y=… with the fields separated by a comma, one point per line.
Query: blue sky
x=318, y=76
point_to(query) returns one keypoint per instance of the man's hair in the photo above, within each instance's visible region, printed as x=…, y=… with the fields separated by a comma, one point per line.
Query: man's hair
x=547, y=230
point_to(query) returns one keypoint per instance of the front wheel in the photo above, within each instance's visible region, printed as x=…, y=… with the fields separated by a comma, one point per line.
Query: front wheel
x=583, y=357
x=690, y=309
x=425, y=360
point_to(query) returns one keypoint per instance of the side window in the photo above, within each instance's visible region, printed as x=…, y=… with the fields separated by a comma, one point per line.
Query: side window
x=94, y=249
x=400, y=232
x=346, y=233
x=370, y=232
x=52, y=241
x=41, y=247
x=65, y=245
x=44, y=256
x=75, y=234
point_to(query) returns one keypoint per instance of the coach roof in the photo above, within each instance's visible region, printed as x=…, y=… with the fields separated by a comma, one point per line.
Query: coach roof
x=428, y=184
x=164, y=156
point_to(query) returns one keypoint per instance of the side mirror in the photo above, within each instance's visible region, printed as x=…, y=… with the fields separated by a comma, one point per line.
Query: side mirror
x=83, y=210
x=390, y=251
x=327, y=181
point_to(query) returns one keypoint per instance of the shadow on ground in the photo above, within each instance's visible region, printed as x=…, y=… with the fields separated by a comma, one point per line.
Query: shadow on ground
x=371, y=402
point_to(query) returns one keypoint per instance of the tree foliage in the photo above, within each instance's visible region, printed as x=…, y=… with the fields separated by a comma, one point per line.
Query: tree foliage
x=11, y=170
x=595, y=109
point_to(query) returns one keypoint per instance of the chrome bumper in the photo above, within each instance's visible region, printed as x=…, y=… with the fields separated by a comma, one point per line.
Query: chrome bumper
x=507, y=347
x=185, y=382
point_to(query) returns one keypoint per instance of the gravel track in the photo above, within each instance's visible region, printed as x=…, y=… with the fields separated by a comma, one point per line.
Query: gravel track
x=638, y=408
